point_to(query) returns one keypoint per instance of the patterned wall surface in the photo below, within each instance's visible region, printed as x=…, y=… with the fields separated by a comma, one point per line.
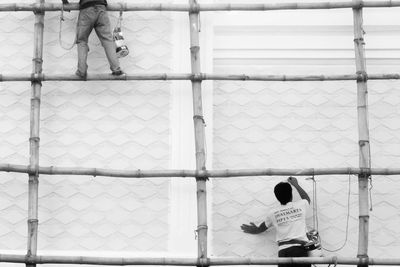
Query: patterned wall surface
x=301, y=125
x=126, y=125
x=119, y=125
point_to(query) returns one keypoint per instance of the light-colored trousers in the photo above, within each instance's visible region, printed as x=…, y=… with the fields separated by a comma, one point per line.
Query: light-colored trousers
x=96, y=18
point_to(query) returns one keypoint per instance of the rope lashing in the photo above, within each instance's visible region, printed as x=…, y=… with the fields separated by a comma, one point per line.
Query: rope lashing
x=199, y=117
x=362, y=76
x=199, y=227
x=37, y=78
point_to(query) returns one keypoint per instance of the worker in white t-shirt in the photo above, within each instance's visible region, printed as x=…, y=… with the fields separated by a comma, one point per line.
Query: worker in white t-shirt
x=289, y=220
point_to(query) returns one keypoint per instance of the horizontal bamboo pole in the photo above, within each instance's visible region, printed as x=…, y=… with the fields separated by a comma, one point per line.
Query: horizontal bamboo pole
x=204, y=7
x=192, y=261
x=196, y=173
x=196, y=77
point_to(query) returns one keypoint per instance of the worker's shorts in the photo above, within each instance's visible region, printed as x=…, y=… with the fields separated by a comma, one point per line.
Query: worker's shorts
x=294, y=251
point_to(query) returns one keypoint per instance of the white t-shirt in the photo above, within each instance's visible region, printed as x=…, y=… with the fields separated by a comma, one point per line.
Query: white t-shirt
x=289, y=221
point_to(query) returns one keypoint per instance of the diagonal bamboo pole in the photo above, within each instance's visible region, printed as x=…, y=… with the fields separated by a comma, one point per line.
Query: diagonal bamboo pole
x=34, y=137
x=125, y=6
x=363, y=134
x=199, y=133
x=194, y=77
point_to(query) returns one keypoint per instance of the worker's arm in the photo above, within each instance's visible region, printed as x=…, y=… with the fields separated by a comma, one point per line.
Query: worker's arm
x=254, y=229
x=303, y=194
x=65, y=2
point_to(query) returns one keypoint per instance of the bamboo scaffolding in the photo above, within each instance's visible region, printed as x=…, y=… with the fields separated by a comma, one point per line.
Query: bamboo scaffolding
x=195, y=173
x=195, y=77
x=363, y=135
x=199, y=132
x=34, y=138
x=204, y=7
x=192, y=261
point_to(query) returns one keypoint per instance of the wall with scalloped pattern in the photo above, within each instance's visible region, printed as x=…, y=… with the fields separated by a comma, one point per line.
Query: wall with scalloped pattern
x=119, y=125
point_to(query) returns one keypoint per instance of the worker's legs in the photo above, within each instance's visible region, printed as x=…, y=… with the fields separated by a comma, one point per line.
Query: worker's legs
x=86, y=20
x=103, y=31
x=295, y=251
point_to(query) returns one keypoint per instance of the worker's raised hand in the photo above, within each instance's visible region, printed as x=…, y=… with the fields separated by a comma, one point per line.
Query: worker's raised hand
x=251, y=228
x=292, y=180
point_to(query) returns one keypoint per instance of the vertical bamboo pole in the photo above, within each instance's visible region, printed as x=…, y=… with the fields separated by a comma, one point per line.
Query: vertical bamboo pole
x=363, y=133
x=199, y=132
x=34, y=136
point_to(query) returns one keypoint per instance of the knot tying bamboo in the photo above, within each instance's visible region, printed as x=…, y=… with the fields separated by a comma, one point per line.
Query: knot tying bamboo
x=35, y=139
x=29, y=258
x=39, y=9
x=359, y=41
x=199, y=117
x=363, y=260
x=201, y=174
x=37, y=77
x=194, y=7
x=199, y=227
x=203, y=262
x=37, y=60
x=197, y=77
x=33, y=170
x=363, y=142
x=358, y=4
x=365, y=172
x=195, y=49
x=362, y=76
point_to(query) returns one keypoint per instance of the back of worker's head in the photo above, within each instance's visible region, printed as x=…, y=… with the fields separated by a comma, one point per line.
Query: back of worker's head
x=283, y=192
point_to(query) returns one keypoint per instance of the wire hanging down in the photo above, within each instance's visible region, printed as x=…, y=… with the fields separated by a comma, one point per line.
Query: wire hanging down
x=62, y=18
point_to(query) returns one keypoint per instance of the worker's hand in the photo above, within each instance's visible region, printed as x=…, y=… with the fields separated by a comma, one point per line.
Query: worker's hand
x=251, y=228
x=65, y=2
x=292, y=180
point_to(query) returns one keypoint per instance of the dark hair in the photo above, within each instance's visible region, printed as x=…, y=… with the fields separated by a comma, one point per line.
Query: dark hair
x=283, y=192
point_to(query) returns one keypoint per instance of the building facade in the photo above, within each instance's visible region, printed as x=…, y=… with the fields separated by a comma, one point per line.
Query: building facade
x=148, y=125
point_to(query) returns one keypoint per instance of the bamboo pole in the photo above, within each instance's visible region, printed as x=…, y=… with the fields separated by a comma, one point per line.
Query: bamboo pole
x=194, y=77
x=204, y=7
x=199, y=132
x=34, y=137
x=192, y=261
x=363, y=135
x=194, y=173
